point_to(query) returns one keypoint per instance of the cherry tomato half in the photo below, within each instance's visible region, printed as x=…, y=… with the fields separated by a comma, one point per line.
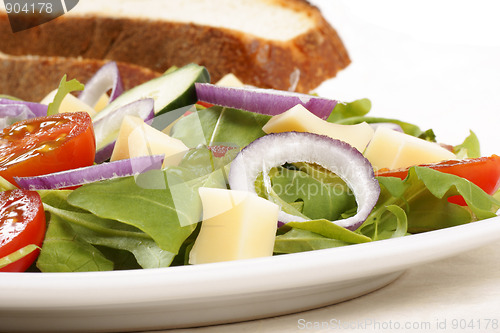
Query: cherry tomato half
x=482, y=171
x=22, y=222
x=45, y=145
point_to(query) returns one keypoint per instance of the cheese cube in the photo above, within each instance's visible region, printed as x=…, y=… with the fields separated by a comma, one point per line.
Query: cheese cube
x=394, y=150
x=299, y=119
x=236, y=225
x=69, y=104
x=230, y=80
x=136, y=138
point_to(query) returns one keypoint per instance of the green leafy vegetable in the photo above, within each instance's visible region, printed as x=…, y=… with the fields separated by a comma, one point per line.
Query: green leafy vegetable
x=470, y=148
x=10, y=97
x=65, y=87
x=167, y=212
x=357, y=108
x=298, y=240
x=218, y=125
x=319, y=199
x=424, y=194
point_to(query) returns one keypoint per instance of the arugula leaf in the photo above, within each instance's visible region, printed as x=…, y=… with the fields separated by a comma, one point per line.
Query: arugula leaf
x=470, y=148
x=331, y=230
x=65, y=87
x=314, y=235
x=320, y=199
x=424, y=194
x=408, y=128
x=298, y=240
x=385, y=222
x=357, y=108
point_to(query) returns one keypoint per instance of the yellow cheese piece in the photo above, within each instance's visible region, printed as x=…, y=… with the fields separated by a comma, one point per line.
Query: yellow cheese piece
x=136, y=138
x=236, y=225
x=299, y=119
x=230, y=80
x=69, y=104
x=101, y=103
x=393, y=150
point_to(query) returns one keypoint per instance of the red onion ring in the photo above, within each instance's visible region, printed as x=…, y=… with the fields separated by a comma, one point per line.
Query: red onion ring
x=264, y=101
x=106, y=78
x=337, y=156
x=39, y=110
x=11, y=113
x=91, y=174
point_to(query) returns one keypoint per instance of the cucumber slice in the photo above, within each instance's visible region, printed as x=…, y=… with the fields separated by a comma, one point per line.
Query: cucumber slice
x=170, y=91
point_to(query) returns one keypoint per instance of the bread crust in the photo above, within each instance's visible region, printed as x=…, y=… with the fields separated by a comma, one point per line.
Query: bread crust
x=316, y=55
x=20, y=76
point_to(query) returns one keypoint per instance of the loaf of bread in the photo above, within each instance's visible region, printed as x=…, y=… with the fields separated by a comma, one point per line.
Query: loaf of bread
x=31, y=78
x=281, y=44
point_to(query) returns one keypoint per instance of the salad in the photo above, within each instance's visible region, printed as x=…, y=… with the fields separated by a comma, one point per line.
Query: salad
x=178, y=171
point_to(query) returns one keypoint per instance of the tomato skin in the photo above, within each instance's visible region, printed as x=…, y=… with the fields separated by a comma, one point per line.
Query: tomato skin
x=22, y=222
x=482, y=171
x=45, y=145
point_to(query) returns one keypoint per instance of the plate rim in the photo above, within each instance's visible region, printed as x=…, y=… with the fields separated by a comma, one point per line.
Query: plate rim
x=256, y=275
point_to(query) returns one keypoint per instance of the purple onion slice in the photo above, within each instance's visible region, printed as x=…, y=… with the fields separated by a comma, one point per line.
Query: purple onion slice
x=91, y=174
x=337, y=156
x=39, y=110
x=264, y=101
x=106, y=78
x=11, y=113
x=393, y=126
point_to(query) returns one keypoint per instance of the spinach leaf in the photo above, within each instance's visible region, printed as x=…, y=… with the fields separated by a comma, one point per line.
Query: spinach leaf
x=64, y=251
x=220, y=125
x=112, y=234
x=165, y=205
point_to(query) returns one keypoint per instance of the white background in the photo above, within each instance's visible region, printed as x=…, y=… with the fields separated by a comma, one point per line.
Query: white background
x=433, y=63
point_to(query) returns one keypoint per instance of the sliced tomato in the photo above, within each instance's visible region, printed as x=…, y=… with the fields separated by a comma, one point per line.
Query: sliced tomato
x=45, y=145
x=482, y=171
x=22, y=222
x=204, y=104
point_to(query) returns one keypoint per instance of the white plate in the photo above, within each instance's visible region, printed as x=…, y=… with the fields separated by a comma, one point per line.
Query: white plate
x=223, y=292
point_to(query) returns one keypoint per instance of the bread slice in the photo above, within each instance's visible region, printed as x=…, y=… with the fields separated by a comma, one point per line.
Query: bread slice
x=281, y=44
x=31, y=78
